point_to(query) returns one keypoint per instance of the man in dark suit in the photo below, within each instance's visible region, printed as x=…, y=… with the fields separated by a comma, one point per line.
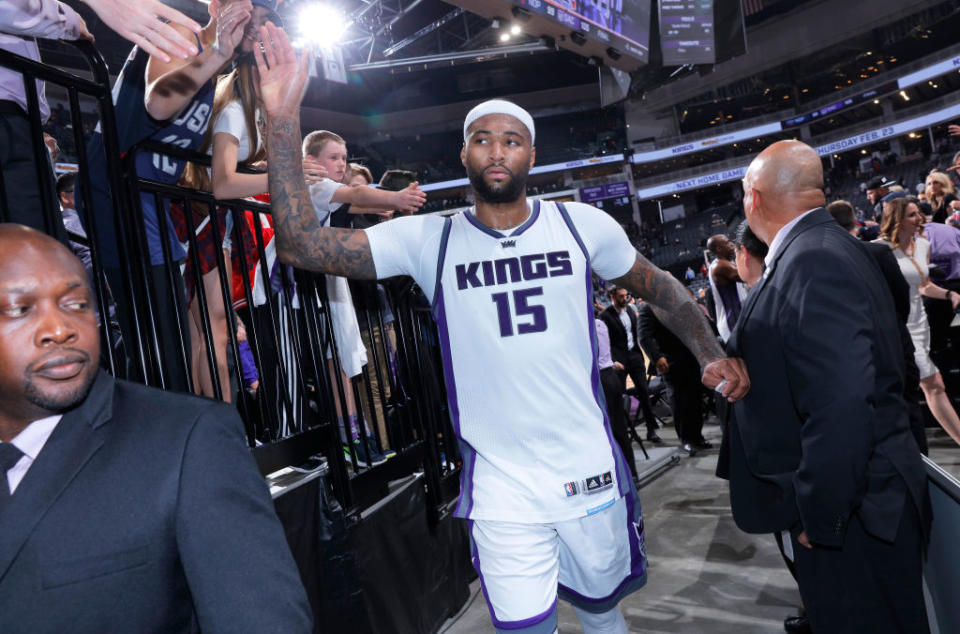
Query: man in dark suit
x=820, y=452
x=625, y=347
x=681, y=372
x=122, y=508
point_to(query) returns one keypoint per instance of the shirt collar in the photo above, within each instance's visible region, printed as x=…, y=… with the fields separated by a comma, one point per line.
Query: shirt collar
x=35, y=435
x=782, y=235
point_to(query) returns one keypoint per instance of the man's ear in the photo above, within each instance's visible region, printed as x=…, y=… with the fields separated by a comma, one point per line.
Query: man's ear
x=533, y=156
x=463, y=154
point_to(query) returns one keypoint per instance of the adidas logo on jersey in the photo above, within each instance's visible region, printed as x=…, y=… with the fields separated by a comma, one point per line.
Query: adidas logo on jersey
x=535, y=266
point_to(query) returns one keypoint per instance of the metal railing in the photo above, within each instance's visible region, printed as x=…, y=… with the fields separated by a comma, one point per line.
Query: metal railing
x=303, y=402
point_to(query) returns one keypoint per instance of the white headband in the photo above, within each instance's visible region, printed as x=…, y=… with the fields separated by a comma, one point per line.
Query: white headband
x=499, y=106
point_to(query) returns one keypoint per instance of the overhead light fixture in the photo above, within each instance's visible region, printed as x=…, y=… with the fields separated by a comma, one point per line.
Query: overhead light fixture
x=515, y=29
x=321, y=24
x=504, y=37
x=906, y=97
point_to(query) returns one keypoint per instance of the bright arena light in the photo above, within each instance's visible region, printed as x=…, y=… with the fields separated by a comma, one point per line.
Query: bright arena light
x=321, y=25
x=515, y=29
x=504, y=37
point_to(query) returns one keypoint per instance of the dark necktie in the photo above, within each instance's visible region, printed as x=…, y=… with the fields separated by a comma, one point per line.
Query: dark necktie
x=9, y=456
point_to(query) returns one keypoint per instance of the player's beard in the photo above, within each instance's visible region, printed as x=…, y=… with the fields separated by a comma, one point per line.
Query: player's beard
x=498, y=194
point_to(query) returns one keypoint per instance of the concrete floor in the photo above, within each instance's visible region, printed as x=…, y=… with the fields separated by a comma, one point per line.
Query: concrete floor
x=705, y=575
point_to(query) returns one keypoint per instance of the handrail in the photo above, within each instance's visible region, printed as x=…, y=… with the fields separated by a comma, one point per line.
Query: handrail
x=944, y=481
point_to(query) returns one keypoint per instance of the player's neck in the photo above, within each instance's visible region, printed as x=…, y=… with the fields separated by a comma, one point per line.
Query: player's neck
x=503, y=216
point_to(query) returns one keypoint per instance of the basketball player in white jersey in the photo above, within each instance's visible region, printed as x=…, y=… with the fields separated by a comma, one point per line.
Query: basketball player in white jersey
x=548, y=498
x=729, y=291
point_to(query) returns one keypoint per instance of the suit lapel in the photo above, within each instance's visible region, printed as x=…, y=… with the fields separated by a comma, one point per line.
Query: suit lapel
x=615, y=317
x=77, y=437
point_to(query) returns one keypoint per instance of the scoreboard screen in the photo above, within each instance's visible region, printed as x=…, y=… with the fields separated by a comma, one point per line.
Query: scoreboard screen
x=687, y=33
x=621, y=24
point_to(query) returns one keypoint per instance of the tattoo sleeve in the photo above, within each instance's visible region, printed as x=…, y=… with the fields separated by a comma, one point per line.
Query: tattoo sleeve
x=301, y=240
x=674, y=307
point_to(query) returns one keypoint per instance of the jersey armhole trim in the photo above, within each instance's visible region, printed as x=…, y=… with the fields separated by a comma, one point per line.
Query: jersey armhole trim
x=441, y=256
x=576, y=235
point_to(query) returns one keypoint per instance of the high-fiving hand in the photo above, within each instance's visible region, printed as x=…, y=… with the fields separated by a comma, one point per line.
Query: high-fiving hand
x=283, y=77
x=140, y=23
x=410, y=199
x=231, y=23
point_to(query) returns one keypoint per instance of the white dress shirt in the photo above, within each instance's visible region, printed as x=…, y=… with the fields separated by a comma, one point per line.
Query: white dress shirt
x=628, y=326
x=30, y=441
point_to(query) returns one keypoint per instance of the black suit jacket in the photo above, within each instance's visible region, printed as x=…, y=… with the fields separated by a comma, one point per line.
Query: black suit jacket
x=145, y=512
x=618, y=334
x=823, y=433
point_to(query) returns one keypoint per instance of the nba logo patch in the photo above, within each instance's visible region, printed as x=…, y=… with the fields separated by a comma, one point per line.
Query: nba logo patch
x=570, y=488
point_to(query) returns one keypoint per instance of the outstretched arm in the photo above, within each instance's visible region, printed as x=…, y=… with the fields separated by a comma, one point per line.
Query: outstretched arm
x=677, y=310
x=172, y=84
x=301, y=240
x=725, y=272
x=406, y=200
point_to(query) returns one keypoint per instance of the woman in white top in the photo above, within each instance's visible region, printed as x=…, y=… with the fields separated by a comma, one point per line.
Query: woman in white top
x=233, y=139
x=901, y=228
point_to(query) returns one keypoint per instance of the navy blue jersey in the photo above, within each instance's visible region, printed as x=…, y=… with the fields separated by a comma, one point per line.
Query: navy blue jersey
x=134, y=125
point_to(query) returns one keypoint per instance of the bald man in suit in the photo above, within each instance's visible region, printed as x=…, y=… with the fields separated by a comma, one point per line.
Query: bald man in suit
x=820, y=451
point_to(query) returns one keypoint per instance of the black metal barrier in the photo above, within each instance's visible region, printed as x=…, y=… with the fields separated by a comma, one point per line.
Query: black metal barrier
x=160, y=333
x=302, y=406
x=50, y=219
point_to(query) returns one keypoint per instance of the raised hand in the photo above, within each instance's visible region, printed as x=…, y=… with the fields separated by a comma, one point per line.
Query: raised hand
x=140, y=23
x=410, y=199
x=283, y=78
x=953, y=129
x=231, y=23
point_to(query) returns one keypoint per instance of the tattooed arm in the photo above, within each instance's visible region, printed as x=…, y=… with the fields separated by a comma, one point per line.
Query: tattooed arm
x=300, y=238
x=678, y=311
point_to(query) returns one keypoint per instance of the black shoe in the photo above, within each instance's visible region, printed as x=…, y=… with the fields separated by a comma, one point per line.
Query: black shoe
x=652, y=437
x=703, y=444
x=688, y=448
x=797, y=624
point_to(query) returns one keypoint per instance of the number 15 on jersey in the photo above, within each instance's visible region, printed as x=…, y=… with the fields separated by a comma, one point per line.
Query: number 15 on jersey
x=534, y=316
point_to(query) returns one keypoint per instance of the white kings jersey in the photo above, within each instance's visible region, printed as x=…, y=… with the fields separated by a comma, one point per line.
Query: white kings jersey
x=514, y=311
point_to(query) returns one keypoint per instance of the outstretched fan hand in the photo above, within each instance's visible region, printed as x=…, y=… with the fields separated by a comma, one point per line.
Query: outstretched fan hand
x=283, y=77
